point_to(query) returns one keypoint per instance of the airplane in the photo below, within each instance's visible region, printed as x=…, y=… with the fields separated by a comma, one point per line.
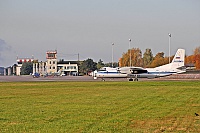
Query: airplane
x=133, y=73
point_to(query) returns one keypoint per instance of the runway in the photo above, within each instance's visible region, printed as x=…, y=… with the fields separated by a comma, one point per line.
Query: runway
x=29, y=78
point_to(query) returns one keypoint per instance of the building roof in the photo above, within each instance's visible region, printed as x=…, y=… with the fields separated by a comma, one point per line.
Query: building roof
x=67, y=62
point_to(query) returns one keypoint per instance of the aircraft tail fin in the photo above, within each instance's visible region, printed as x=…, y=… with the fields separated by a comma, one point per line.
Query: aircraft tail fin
x=179, y=59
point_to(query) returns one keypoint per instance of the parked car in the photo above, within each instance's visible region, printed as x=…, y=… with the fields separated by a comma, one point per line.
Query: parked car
x=36, y=75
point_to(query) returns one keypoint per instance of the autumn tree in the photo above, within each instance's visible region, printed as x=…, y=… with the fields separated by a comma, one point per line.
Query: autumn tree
x=124, y=60
x=197, y=61
x=197, y=50
x=197, y=57
x=136, y=58
x=147, y=58
x=189, y=59
x=159, y=60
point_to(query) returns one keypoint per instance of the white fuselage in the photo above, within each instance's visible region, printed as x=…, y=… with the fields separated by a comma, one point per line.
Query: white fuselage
x=117, y=74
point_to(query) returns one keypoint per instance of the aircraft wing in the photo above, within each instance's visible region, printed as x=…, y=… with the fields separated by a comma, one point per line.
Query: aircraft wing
x=138, y=70
x=133, y=70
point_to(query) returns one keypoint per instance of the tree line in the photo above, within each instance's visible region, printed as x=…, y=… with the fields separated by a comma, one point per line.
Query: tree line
x=194, y=59
x=148, y=60
x=133, y=57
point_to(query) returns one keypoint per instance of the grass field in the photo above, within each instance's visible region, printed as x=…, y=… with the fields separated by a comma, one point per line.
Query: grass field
x=167, y=106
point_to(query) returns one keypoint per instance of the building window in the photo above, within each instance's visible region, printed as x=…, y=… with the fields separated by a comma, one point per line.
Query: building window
x=53, y=62
x=51, y=55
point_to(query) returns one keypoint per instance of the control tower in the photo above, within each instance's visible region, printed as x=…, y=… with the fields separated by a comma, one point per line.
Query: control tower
x=51, y=57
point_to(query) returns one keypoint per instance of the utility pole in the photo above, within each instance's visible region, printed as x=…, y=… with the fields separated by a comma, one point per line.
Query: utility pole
x=112, y=54
x=130, y=50
x=169, y=45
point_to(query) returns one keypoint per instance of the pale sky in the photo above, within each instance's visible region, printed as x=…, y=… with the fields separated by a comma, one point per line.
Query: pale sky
x=89, y=27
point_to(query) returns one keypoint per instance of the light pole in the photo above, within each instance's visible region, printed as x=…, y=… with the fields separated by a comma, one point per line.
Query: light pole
x=112, y=54
x=130, y=50
x=169, y=45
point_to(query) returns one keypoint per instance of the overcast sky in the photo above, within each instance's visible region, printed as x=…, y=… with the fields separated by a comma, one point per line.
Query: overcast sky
x=89, y=27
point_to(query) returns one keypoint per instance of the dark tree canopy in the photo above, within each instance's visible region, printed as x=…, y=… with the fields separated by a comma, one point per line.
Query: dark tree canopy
x=147, y=58
x=100, y=64
x=27, y=68
x=87, y=66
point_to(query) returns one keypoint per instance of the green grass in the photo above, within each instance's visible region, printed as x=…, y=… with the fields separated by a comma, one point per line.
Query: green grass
x=154, y=106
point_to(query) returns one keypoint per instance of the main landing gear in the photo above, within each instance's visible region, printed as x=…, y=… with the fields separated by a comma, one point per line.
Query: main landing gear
x=131, y=79
x=102, y=79
x=135, y=79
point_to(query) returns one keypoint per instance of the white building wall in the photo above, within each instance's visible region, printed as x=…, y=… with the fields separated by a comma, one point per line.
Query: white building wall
x=68, y=68
x=5, y=73
x=9, y=71
x=34, y=71
x=18, y=70
x=51, y=66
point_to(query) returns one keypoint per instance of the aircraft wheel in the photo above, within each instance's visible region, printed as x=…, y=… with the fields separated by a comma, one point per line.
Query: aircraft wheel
x=135, y=79
x=130, y=79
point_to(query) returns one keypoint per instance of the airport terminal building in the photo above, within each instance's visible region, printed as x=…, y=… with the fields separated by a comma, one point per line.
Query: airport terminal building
x=50, y=67
x=54, y=67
